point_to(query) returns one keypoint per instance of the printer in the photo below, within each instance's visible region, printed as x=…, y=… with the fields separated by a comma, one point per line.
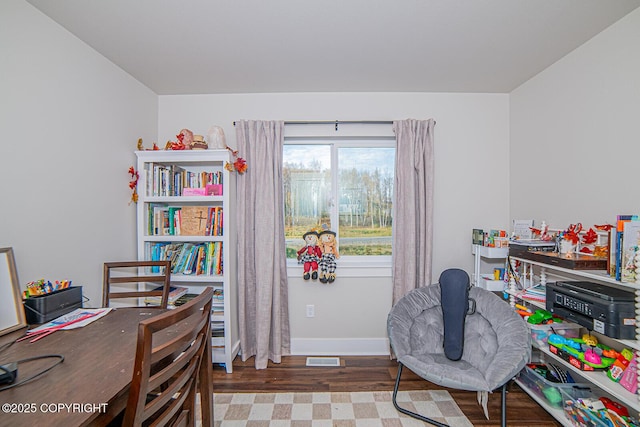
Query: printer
x=603, y=309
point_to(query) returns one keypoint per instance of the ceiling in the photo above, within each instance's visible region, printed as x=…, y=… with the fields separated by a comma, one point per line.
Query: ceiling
x=257, y=46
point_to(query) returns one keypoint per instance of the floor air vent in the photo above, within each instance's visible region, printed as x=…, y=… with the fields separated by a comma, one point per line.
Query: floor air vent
x=323, y=361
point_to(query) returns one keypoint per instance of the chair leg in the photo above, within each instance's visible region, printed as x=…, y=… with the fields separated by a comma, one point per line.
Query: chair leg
x=503, y=405
x=406, y=411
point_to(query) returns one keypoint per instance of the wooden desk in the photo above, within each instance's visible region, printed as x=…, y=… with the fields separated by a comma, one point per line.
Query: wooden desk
x=95, y=374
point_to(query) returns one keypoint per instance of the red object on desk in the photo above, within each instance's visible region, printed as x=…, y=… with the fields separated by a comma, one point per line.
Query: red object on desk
x=47, y=331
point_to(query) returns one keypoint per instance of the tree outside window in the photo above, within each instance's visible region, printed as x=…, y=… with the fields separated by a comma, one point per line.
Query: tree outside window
x=344, y=186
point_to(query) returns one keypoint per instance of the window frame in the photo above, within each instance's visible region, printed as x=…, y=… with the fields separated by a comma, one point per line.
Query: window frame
x=348, y=265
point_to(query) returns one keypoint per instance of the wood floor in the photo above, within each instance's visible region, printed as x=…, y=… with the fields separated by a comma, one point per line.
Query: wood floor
x=366, y=373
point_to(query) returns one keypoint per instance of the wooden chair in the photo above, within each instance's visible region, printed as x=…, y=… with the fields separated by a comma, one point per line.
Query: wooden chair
x=171, y=360
x=129, y=273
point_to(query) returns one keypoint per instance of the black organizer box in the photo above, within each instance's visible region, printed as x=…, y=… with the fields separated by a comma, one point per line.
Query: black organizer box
x=43, y=308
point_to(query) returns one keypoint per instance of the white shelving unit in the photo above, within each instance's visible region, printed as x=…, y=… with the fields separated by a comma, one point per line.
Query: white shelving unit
x=224, y=317
x=534, y=273
x=486, y=280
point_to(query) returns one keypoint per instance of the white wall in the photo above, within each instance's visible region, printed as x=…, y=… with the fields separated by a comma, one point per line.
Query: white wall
x=69, y=121
x=575, y=145
x=471, y=175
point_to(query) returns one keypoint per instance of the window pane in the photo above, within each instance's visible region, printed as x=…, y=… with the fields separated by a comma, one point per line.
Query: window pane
x=365, y=188
x=307, y=191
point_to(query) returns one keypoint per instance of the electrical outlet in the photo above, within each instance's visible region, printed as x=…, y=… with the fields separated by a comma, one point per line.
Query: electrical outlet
x=311, y=310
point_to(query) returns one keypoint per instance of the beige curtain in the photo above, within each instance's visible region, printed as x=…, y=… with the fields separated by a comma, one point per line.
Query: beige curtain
x=413, y=205
x=262, y=271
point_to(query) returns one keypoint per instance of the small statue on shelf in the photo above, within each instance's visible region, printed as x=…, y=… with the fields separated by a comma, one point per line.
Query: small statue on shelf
x=140, y=146
x=186, y=138
x=198, y=143
x=216, y=138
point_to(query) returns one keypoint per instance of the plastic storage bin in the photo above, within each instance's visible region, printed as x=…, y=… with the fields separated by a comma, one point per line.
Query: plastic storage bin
x=540, y=333
x=577, y=414
x=580, y=415
x=548, y=390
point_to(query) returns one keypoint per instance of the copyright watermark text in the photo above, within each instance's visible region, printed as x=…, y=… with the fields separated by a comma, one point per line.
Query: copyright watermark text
x=53, y=408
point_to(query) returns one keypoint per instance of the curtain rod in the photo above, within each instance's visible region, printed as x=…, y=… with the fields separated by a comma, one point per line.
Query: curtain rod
x=336, y=122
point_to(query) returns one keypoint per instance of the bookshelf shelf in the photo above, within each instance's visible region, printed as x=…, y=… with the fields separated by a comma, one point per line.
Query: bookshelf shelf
x=185, y=199
x=169, y=238
x=194, y=231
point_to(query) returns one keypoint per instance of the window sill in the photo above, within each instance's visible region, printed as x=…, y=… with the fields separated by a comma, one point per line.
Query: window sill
x=348, y=268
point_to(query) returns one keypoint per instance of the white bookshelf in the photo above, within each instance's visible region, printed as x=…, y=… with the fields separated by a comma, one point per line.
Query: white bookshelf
x=152, y=192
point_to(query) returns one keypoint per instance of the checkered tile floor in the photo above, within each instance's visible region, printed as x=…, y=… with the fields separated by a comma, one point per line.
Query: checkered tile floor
x=356, y=409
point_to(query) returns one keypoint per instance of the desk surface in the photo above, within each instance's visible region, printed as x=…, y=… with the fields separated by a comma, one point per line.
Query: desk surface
x=97, y=370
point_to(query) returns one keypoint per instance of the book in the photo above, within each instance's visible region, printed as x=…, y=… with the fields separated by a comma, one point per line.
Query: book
x=214, y=222
x=200, y=260
x=185, y=249
x=184, y=299
x=630, y=242
x=175, y=292
x=160, y=220
x=193, y=220
x=191, y=259
x=611, y=259
x=172, y=219
x=620, y=224
x=477, y=236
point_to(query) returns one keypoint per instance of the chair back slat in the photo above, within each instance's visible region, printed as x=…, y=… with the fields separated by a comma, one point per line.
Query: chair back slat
x=173, y=347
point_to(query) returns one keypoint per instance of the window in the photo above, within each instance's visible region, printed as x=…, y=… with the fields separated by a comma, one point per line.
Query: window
x=345, y=186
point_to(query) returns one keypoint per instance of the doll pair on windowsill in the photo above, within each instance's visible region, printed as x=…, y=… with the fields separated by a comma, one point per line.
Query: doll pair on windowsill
x=319, y=255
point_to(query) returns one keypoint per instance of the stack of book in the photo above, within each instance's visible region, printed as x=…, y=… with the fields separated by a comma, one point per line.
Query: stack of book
x=172, y=180
x=175, y=292
x=189, y=258
x=624, y=243
x=165, y=220
x=535, y=293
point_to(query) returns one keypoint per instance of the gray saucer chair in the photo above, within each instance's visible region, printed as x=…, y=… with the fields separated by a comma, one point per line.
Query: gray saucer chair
x=494, y=342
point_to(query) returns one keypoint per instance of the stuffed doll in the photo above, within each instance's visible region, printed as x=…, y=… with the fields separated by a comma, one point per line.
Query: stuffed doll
x=329, y=247
x=310, y=255
x=186, y=138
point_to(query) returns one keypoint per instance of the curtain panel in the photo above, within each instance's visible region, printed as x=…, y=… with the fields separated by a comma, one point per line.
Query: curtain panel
x=413, y=206
x=262, y=272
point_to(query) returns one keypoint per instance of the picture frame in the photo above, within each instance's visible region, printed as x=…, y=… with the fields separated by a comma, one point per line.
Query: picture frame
x=12, y=317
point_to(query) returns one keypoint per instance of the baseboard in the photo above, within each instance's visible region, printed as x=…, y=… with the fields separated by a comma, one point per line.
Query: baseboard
x=339, y=347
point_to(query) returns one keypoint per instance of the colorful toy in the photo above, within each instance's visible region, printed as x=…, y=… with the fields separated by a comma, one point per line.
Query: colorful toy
x=592, y=357
x=540, y=317
x=614, y=406
x=310, y=254
x=619, y=365
x=329, y=247
x=42, y=287
x=590, y=340
x=579, y=354
x=591, y=411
